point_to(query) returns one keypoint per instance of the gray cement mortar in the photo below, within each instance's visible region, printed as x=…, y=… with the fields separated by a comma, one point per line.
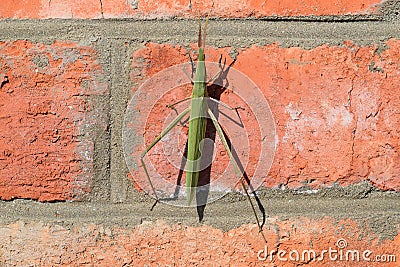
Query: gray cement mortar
x=375, y=210
x=113, y=200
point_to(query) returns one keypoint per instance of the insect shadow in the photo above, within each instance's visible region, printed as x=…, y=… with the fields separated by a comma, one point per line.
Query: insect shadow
x=215, y=90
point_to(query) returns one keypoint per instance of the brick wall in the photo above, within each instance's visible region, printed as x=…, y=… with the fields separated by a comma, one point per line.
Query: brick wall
x=155, y=9
x=84, y=88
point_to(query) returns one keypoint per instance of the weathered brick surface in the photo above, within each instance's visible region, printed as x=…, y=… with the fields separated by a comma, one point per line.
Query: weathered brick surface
x=259, y=8
x=151, y=9
x=335, y=109
x=158, y=244
x=46, y=148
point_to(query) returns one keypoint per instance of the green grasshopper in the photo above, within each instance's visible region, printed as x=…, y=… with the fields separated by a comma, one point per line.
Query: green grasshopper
x=197, y=128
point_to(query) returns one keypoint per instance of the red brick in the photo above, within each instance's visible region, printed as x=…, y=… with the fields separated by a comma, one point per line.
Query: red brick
x=70, y=9
x=44, y=111
x=259, y=8
x=152, y=9
x=20, y=9
x=155, y=244
x=119, y=9
x=339, y=135
x=335, y=109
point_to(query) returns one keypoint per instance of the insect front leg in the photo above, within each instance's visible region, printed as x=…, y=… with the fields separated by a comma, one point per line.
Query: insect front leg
x=226, y=105
x=221, y=69
x=213, y=105
x=178, y=102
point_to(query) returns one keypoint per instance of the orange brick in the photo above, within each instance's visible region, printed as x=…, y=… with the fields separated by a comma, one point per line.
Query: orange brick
x=153, y=9
x=44, y=110
x=71, y=9
x=291, y=242
x=258, y=8
x=334, y=109
x=20, y=9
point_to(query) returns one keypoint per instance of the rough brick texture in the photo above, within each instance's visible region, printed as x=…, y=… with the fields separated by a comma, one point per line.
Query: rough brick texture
x=335, y=109
x=43, y=9
x=158, y=244
x=46, y=150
